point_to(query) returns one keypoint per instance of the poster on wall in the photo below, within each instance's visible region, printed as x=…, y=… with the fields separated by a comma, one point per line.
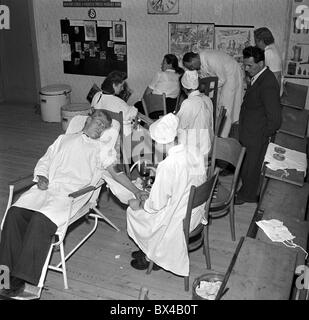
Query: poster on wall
x=185, y=37
x=233, y=39
x=297, y=58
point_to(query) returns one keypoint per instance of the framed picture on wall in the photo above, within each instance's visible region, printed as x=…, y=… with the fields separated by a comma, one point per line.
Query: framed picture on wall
x=184, y=37
x=119, y=31
x=90, y=30
x=233, y=39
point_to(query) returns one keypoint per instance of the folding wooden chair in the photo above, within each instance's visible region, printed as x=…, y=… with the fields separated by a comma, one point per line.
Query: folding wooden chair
x=154, y=103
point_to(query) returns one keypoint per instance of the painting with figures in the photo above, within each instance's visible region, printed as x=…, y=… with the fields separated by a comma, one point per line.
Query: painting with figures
x=185, y=37
x=233, y=39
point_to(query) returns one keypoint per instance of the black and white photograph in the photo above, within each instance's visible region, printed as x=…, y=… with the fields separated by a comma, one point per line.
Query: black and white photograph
x=90, y=28
x=154, y=156
x=119, y=31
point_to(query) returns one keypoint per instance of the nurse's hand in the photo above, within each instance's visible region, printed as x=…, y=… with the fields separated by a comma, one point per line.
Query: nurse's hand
x=42, y=182
x=134, y=204
x=141, y=195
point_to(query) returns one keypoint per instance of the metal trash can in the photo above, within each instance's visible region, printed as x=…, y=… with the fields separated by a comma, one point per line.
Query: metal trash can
x=52, y=98
x=71, y=110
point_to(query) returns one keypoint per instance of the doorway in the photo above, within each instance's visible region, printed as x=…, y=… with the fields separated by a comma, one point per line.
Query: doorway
x=19, y=68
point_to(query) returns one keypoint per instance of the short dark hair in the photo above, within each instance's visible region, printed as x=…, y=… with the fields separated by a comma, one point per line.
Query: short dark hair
x=256, y=53
x=115, y=77
x=173, y=60
x=189, y=56
x=265, y=35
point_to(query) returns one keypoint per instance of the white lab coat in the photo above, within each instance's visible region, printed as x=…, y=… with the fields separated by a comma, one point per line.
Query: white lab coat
x=196, y=121
x=166, y=82
x=115, y=104
x=230, y=83
x=72, y=162
x=158, y=229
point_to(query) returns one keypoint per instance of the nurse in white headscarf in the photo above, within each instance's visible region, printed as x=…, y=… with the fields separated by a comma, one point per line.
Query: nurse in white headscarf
x=156, y=225
x=195, y=115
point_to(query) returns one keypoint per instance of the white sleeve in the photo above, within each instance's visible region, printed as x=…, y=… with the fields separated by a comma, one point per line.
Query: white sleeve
x=96, y=99
x=42, y=166
x=161, y=190
x=154, y=81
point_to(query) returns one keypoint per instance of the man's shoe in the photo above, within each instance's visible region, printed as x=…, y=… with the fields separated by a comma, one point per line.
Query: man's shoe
x=142, y=264
x=137, y=254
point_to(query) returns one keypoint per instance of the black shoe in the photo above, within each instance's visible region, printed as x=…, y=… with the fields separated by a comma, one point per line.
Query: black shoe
x=137, y=254
x=142, y=264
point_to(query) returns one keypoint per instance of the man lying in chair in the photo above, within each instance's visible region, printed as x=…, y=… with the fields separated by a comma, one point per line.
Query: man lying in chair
x=156, y=225
x=67, y=166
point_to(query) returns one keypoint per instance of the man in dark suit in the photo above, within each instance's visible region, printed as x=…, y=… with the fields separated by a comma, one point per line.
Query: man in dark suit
x=260, y=118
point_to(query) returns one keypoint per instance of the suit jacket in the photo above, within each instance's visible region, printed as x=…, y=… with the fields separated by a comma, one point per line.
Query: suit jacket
x=260, y=114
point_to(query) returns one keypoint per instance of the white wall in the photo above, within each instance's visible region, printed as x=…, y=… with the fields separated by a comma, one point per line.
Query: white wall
x=147, y=35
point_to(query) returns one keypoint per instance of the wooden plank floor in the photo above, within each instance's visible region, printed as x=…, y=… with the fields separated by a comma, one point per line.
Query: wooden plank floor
x=101, y=268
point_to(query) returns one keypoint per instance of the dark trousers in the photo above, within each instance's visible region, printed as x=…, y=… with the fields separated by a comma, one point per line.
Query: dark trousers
x=25, y=240
x=251, y=172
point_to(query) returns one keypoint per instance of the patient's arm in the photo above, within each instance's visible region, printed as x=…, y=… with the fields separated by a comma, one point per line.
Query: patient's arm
x=121, y=178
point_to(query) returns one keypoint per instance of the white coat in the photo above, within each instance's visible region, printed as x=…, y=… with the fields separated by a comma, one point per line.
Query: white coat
x=196, y=121
x=72, y=162
x=158, y=229
x=230, y=82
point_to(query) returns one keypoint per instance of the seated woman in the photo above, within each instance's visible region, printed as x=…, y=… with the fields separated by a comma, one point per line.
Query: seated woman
x=156, y=225
x=165, y=81
x=106, y=99
x=195, y=115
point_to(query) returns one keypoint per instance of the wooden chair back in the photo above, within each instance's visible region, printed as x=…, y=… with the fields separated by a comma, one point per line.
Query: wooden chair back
x=231, y=151
x=154, y=102
x=219, y=122
x=124, y=161
x=198, y=196
x=209, y=86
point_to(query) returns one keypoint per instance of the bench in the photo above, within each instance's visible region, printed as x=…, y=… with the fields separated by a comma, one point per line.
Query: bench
x=262, y=271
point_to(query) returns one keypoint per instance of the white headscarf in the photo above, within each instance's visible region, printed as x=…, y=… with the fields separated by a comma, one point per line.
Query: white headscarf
x=189, y=79
x=164, y=130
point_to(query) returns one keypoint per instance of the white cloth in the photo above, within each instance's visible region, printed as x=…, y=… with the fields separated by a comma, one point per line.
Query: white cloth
x=115, y=104
x=272, y=58
x=71, y=163
x=164, y=130
x=230, y=82
x=292, y=159
x=275, y=230
x=196, y=121
x=189, y=79
x=158, y=229
x=166, y=82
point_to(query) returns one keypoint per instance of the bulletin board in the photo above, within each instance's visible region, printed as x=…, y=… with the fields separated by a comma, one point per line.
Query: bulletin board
x=93, y=47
